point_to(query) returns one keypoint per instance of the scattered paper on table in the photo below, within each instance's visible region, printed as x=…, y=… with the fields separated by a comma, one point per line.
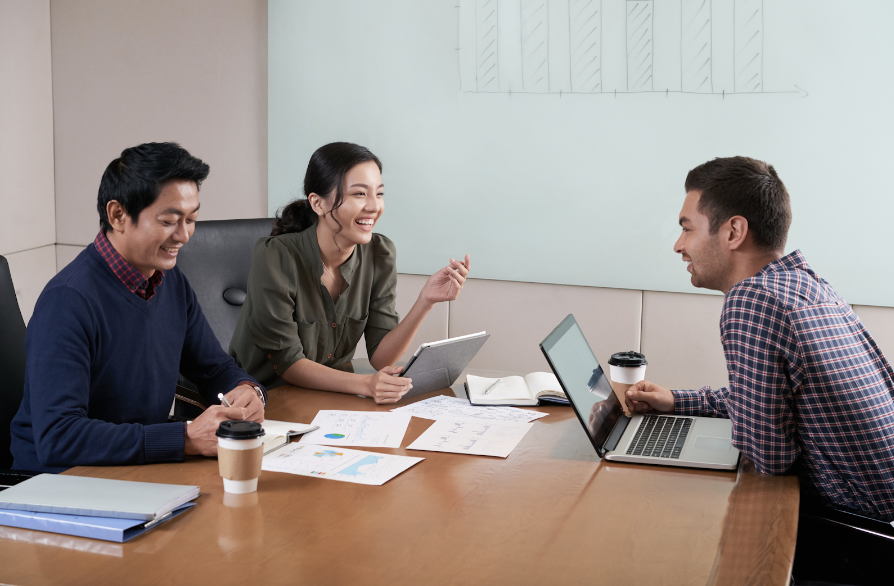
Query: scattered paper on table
x=472, y=436
x=373, y=429
x=337, y=463
x=454, y=407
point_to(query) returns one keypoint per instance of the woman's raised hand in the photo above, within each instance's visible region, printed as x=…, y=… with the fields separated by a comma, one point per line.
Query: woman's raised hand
x=446, y=284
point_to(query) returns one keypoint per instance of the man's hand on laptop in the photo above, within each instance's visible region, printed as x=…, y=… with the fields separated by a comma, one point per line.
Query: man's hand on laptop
x=645, y=396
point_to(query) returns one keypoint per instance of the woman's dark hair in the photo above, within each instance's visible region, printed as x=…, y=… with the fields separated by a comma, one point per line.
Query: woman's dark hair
x=741, y=186
x=325, y=173
x=135, y=179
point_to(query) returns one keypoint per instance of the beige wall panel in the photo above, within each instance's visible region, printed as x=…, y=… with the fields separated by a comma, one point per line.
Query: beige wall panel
x=434, y=327
x=130, y=72
x=65, y=254
x=27, y=193
x=681, y=340
x=31, y=270
x=519, y=315
x=880, y=323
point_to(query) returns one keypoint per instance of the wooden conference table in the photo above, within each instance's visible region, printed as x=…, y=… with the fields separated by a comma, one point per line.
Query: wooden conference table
x=550, y=513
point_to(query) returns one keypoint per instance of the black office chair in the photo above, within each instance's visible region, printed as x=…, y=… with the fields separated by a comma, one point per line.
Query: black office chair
x=838, y=547
x=216, y=260
x=12, y=371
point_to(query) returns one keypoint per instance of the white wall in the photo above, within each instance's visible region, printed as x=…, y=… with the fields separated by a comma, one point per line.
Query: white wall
x=27, y=220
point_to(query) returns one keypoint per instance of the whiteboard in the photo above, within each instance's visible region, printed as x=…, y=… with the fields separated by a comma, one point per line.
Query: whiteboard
x=550, y=139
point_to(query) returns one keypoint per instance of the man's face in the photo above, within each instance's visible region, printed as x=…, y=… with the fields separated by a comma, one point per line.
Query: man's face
x=702, y=251
x=152, y=243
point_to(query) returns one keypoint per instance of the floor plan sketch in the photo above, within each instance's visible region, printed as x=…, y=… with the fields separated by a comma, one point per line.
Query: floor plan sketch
x=640, y=28
x=613, y=47
x=749, y=36
x=585, y=31
x=487, y=76
x=696, y=46
x=535, y=44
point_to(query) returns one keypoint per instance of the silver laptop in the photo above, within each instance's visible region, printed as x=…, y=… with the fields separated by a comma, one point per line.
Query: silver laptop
x=667, y=440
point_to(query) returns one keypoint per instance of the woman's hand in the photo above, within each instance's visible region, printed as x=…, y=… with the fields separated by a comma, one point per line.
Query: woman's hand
x=386, y=387
x=446, y=284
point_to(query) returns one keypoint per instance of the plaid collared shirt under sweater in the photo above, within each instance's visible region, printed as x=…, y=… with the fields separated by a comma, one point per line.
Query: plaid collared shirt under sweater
x=809, y=389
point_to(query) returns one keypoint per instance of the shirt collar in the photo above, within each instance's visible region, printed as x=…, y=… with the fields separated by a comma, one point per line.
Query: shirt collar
x=310, y=239
x=794, y=260
x=126, y=273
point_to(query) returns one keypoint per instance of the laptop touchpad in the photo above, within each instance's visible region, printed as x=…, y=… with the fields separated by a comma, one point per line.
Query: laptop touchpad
x=721, y=444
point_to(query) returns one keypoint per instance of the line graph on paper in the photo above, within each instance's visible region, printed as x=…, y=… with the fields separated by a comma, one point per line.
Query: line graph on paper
x=614, y=47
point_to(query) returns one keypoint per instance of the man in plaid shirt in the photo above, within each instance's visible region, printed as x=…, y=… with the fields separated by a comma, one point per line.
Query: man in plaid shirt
x=810, y=391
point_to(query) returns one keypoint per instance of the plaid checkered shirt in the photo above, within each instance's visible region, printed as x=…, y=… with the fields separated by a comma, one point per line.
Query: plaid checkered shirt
x=126, y=273
x=809, y=389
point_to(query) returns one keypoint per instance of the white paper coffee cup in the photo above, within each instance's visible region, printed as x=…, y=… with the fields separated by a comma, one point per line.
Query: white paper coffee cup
x=625, y=370
x=239, y=454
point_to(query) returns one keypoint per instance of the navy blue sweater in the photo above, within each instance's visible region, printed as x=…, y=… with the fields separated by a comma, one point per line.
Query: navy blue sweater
x=102, y=367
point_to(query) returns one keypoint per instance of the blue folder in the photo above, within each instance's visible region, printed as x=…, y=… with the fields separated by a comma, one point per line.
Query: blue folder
x=107, y=528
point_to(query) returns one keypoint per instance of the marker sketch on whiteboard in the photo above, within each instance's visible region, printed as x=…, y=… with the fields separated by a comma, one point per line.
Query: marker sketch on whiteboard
x=613, y=47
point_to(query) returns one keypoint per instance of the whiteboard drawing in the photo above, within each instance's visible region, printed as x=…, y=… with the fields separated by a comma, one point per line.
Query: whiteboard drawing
x=585, y=30
x=486, y=46
x=696, y=47
x=613, y=47
x=535, y=44
x=749, y=43
x=640, y=27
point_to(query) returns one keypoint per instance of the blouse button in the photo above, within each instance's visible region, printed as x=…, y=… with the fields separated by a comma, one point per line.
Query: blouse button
x=333, y=324
x=274, y=367
x=270, y=356
x=330, y=356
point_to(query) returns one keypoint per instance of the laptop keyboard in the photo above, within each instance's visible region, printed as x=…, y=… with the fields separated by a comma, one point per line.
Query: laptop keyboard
x=660, y=437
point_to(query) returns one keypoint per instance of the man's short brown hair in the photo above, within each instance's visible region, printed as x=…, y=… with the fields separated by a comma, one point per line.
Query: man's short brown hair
x=741, y=186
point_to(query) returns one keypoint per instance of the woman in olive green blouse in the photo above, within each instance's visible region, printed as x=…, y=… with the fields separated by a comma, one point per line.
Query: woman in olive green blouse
x=323, y=279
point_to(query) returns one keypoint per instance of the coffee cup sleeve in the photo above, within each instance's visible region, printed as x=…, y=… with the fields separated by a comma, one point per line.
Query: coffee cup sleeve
x=240, y=464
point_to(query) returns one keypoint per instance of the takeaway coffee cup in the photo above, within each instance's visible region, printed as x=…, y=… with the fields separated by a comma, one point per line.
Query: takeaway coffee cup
x=626, y=369
x=239, y=453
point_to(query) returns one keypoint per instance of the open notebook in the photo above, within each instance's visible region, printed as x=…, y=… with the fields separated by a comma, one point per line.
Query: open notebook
x=532, y=389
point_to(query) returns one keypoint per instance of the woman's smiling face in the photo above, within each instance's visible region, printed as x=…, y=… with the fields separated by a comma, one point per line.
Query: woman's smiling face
x=361, y=207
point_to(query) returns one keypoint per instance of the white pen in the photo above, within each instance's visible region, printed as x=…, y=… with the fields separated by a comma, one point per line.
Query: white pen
x=490, y=388
x=223, y=400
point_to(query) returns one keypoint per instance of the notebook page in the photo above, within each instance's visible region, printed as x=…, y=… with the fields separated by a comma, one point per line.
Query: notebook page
x=543, y=381
x=510, y=387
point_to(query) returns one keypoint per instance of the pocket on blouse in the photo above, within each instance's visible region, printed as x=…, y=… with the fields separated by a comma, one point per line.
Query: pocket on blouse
x=350, y=335
x=310, y=339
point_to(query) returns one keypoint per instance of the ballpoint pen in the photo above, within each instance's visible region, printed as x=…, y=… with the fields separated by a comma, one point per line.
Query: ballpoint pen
x=495, y=383
x=223, y=400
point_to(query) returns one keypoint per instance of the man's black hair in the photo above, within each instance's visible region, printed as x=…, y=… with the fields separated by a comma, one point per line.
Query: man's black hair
x=740, y=186
x=136, y=178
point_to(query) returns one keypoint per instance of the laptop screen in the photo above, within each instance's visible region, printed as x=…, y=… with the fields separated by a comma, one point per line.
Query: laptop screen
x=586, y=385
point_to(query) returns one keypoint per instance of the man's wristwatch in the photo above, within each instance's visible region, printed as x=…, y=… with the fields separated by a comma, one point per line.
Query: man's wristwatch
x=260, y=394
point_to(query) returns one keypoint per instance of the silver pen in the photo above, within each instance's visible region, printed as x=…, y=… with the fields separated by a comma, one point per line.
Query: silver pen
x=490, y=388
x=223, y=400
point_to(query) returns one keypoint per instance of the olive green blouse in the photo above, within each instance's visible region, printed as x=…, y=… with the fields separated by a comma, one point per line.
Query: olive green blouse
x=288, y=313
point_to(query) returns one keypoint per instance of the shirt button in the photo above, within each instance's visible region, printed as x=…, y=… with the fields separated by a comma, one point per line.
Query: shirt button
x=270, y=356
x=333, y=325
x=274, y=367
x=330, y=356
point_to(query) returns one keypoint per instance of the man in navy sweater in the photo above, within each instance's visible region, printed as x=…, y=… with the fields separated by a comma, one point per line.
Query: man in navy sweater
x=113, y=329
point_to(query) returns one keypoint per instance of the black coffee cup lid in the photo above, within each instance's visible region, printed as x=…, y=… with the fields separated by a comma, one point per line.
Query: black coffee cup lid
x=240, y=430
x=629, y=359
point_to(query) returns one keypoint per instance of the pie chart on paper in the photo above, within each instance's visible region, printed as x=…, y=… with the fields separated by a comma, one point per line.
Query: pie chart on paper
x=334, y=436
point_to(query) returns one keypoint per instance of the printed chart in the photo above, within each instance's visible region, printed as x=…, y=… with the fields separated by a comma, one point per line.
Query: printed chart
x=358, y=428
x=472, y=436
x=454, y=407
x=337, y=464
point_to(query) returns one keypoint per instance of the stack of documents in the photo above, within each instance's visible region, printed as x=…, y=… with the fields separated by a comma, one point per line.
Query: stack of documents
x=114, y=510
